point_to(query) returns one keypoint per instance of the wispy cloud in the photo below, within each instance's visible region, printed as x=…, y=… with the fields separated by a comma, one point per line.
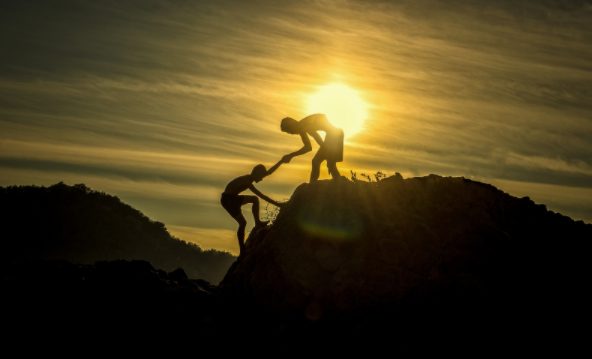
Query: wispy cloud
x=163, y=102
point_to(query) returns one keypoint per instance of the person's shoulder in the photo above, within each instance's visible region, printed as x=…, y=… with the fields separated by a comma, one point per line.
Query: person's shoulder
x=242, y=179
x=315, y=117
x=239, y=184
x=246, y=177
x=314, y=120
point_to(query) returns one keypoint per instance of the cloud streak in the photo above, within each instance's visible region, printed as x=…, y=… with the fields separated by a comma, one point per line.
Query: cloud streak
x=189, y=94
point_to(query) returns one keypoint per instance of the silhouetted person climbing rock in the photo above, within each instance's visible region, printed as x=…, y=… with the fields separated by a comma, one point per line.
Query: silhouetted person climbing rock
x=331, y=149
x=232, y=201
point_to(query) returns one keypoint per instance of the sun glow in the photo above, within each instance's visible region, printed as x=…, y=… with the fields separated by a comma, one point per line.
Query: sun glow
x=343, y=106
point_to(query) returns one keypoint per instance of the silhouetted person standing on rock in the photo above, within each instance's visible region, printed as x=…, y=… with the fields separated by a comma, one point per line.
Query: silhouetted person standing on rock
x=331, y=149
x=232, y=201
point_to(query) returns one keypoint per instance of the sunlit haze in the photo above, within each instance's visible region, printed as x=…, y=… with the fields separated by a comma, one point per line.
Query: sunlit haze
x=343, y=106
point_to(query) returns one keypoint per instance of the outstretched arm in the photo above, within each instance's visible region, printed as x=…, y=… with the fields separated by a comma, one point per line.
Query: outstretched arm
x=320, y=121
x=263, y=197
x=305, y=148
x=317, y=137
x=274, y=167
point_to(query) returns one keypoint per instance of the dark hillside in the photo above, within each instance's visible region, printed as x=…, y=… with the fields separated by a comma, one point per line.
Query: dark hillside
x=437, y=249
x=77, y=224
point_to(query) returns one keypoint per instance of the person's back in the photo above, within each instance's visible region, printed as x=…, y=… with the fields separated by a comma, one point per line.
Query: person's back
x=316, y=122
x=239, y=184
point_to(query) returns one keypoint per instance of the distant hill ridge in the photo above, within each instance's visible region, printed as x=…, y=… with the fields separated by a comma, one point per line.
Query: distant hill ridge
x=80, y=225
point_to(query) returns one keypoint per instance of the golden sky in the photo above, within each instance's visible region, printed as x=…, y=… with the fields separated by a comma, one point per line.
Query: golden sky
x=163, y=102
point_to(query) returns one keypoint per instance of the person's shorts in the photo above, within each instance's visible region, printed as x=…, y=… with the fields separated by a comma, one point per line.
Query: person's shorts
x=332, y=148
x=232, y=203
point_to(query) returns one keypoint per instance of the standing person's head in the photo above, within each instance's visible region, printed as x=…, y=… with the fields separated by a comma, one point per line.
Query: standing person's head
x=289, y=125
x=258, y=172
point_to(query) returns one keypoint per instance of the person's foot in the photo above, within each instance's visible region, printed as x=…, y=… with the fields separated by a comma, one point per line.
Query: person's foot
x=261, y=224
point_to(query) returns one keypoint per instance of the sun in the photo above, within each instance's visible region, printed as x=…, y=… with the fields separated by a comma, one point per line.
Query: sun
x=343, y=106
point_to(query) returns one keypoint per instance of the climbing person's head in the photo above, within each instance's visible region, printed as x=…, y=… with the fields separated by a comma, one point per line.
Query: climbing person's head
x=289, y=125
x=258, y=172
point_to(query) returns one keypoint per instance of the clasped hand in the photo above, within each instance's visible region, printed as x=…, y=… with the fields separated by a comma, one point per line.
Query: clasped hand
x=286, y=159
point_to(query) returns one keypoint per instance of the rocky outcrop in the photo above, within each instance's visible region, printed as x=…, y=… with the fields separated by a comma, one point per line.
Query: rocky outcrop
x=419, y=247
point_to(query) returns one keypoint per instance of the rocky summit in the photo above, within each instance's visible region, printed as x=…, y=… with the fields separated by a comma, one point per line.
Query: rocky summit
x=413, y=249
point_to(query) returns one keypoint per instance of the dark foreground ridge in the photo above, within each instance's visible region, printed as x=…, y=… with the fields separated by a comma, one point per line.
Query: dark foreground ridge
x=423, y=262
x=77, y=224
x=417, y=258
x=421, y=244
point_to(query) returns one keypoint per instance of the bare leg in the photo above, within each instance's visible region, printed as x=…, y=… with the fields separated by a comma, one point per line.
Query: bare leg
x=316, y=166
x=242, y=223
x=255, y=201
x=332, y=166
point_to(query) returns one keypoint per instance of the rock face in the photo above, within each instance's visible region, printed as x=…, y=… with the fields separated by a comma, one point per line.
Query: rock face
x=429, y=246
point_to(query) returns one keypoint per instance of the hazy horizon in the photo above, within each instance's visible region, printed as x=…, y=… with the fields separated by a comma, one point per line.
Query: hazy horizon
x=163, y=102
